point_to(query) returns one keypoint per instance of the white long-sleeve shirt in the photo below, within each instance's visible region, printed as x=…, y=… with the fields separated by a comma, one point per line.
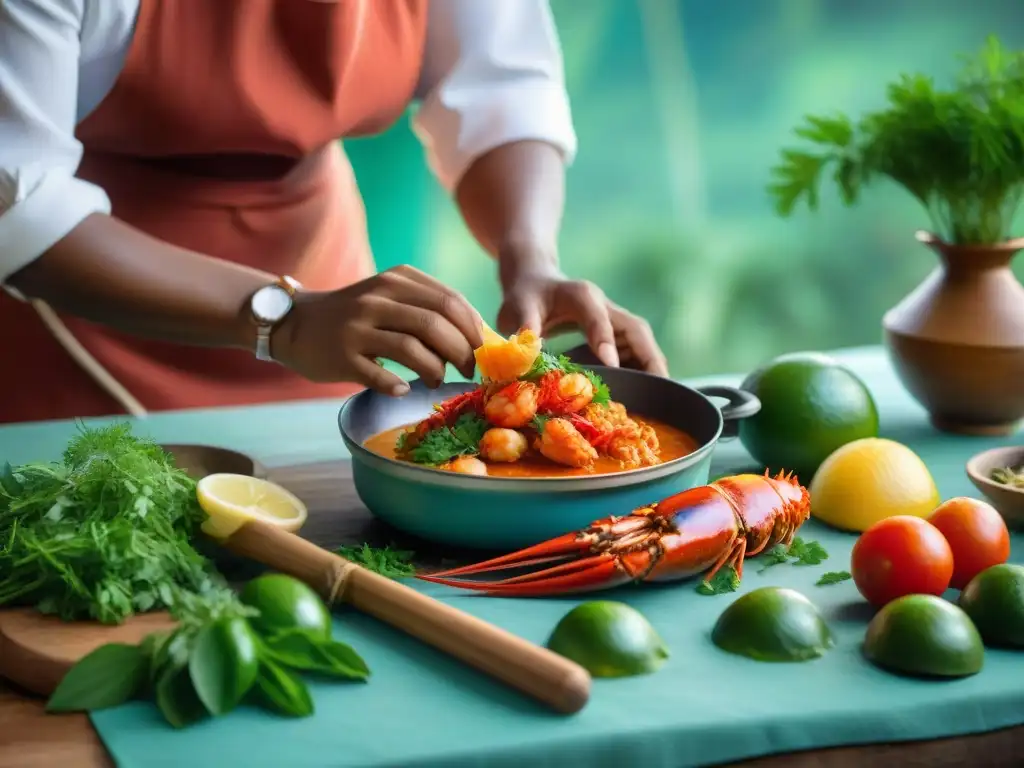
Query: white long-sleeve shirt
x=492, y=73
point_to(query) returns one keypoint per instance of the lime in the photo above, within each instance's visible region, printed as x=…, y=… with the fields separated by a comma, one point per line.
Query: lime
x=994, y=599
x=285, y=603
x=870, y=480
x=773, y=624
x=608, y=639
x=810, y=405
x=924, y=635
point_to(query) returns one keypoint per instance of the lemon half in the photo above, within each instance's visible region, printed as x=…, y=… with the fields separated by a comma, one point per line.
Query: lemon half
x=231, y=501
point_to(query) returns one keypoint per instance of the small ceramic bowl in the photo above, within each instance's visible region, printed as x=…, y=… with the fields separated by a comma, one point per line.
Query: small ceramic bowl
x=202, y=460
x=1009, y=501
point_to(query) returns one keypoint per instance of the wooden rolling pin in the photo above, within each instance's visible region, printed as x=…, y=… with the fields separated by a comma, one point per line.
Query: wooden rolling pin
x=536, y=671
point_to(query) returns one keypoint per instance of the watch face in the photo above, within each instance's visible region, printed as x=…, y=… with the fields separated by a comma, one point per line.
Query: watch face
x=271, y=304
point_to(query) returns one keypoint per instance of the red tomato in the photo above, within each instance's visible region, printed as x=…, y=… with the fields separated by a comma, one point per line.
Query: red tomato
x=976, y=533
x=901, y=555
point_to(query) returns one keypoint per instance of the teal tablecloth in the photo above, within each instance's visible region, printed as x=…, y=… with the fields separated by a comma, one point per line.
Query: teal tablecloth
x=703, y=707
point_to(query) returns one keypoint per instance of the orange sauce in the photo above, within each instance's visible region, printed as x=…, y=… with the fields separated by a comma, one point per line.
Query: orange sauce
x=674, y=444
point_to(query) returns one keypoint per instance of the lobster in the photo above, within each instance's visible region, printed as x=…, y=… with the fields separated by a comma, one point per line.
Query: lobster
x=701, y=529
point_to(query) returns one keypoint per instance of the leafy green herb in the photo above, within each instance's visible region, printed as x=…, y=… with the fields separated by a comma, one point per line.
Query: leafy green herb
x=223, y=664
x=807, y=552
x=833, y=577
x=176, y=697
x=283, y=691
x=777, y=555
x=726, y=580
x=110, y=675
x=959, y=151
x=546, y=362
x=102, y=534
x=393, y=563
x=446, y=443
x=799, y=552
x=538, y=422
x=308, y=652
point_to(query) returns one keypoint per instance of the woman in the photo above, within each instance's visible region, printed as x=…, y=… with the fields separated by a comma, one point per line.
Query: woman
x=179, y=226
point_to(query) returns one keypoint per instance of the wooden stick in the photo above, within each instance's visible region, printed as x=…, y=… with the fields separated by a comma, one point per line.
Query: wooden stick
x=552, y=679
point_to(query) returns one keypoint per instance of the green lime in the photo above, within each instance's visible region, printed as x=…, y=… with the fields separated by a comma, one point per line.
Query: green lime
x=810, y=406
x=773, y=624
x=924, y=635
x=608, y=639
x=994, y=599
x=285, y=603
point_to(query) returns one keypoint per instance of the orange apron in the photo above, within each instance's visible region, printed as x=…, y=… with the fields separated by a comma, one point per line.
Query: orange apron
x=220, y=136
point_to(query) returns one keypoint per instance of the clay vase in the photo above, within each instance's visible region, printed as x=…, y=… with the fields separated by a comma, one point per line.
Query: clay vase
x=957, y=341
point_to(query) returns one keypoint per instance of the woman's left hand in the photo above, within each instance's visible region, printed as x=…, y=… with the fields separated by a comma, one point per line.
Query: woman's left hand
x=547, y=301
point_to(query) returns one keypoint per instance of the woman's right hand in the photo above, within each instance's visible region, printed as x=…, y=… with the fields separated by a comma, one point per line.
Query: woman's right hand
x=401, y=314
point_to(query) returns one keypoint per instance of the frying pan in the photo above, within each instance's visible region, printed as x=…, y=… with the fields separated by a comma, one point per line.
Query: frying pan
x=506, y=513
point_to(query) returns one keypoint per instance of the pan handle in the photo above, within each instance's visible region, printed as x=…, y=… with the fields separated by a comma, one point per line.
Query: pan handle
x=741, y=405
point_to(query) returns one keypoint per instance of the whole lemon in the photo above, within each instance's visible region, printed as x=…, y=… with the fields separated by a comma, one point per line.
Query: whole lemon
x=869, y=480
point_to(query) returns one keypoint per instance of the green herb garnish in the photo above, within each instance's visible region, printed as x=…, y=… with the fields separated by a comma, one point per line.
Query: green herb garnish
x=538, y=422
x=393, y=563
x=958, y=151
x=799, y=552
x=807, y=552
x=777, y=555
x=443, y=444
x=833, y=577
x=546, y=362
x=726, y=580
x=102, y=534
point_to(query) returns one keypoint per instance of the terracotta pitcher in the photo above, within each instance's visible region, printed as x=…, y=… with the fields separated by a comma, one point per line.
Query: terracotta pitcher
x=957, y=341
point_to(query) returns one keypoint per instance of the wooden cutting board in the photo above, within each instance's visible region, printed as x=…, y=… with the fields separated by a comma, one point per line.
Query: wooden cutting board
x=36, y=651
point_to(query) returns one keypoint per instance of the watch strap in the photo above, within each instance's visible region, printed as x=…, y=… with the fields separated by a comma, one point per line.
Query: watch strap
x=264, y=329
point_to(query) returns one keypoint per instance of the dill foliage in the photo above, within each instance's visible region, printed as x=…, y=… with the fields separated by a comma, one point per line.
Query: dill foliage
x=102, y=534
x=958, y=151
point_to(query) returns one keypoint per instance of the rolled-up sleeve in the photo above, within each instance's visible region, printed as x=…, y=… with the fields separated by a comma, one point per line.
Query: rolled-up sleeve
x=492, y=74
x=41, y=201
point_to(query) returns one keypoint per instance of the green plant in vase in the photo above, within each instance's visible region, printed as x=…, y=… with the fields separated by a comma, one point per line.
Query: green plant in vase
x=957, y=340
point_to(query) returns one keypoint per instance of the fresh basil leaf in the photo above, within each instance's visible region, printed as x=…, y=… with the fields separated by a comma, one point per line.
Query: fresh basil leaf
x=223, y=664
x=303, y=650
x=108, y=676
x=176, y=697
x=283, y=691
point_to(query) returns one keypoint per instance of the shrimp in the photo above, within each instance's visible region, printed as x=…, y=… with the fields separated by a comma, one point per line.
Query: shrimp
x=565, y=393
x=502, y=445
x=631, y=445
x=512, y=406
x=562, y=443
x=466, y=465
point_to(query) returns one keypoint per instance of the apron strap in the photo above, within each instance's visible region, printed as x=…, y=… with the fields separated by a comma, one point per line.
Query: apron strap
x=86, y=361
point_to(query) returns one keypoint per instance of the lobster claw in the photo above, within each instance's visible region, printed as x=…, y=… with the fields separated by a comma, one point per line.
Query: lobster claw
x=590, y=563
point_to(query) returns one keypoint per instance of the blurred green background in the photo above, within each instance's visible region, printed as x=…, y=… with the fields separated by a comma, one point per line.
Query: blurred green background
x=681, y=107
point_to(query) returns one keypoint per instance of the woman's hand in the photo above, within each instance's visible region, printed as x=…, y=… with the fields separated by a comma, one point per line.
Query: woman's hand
x=400, y=314
x=545, y=300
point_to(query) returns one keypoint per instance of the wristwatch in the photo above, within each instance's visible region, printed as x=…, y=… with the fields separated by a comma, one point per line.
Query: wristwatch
x=269, y=306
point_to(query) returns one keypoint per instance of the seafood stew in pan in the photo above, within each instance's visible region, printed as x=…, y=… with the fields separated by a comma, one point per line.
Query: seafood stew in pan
x=534, y=415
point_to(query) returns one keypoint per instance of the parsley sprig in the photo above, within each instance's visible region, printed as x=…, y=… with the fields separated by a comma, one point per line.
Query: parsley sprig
x=799, y=552
x=443, y=444
x=546, y=362
x=726, y=580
